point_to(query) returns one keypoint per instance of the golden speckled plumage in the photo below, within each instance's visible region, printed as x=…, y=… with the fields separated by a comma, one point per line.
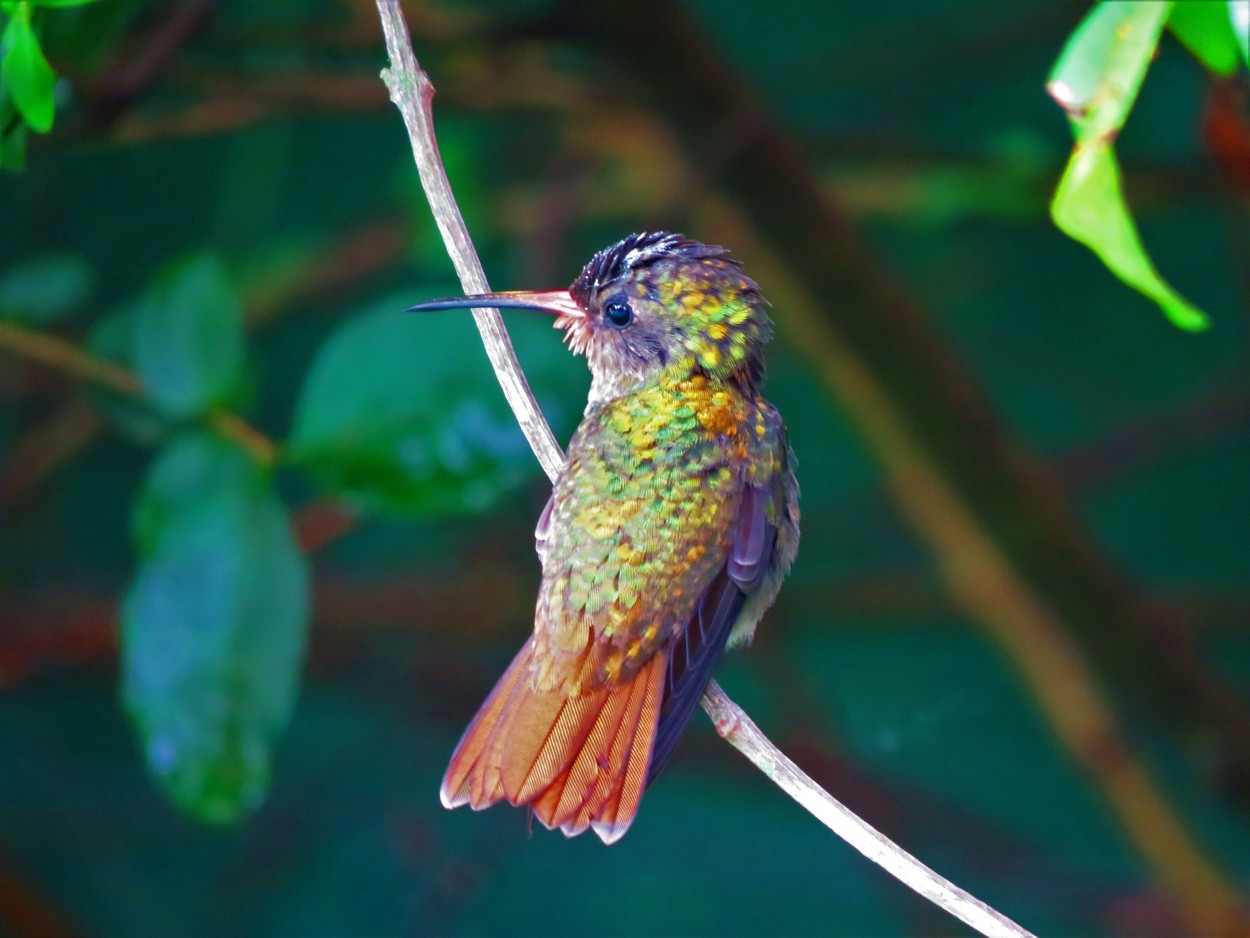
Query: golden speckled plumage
x=641, y=521
x=666, y=537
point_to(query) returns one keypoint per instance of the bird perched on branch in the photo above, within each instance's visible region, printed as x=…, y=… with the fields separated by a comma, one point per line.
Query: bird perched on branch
x=665, y=539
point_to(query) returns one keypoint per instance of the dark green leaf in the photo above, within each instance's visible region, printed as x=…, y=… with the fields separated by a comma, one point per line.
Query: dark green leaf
x=401, y=411
x=1096, y=81
x=188, y=338
x=199, y=465
x=214, y=627
x=1206, y=29
x=460, y=147
x=27, y=75
x=60, y=3
x=13, y=148
x=45, y=289
x=112, y=337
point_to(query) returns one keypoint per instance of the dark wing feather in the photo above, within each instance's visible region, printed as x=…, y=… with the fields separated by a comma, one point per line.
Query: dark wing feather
x=754, y=536
x=698, y=649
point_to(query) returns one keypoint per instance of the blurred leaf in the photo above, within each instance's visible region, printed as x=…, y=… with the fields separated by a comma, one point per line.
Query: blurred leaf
x=60, y=3
x=401, y=412
x=460, y=145
x=112, y=337
x=27, y=75
x=45, y=289
x=200, y=466
x=188, y=338
x=1239, y=17
x=83, y=38
x=1206, y=29
x=214, y=628
x=12, y=146
x=1096, y=81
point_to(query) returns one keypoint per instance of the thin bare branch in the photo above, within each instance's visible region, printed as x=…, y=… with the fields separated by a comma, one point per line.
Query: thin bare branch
x=740, y=731
x=412, y=92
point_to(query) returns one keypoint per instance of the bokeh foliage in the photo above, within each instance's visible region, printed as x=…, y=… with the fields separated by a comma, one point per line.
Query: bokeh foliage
x=215, y=253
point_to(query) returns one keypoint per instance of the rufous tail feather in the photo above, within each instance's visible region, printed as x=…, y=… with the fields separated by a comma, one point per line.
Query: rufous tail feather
x=579, y=762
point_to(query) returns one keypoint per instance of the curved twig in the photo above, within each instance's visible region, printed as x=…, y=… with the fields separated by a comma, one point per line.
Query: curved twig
x=740, y=731
x=412, y=92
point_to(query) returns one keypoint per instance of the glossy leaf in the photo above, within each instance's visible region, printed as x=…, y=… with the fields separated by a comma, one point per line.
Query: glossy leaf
x=401, y=412
x=1101, y=68
x=1239, y=17
x=1089, y=207
x=1096, y=81
x=45, y=289
x=188, y=338
x=214, y=627
x=1206, y=29
x=27, y=76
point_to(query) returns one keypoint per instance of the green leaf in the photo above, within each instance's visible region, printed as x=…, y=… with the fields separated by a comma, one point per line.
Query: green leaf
x=461, y=143
x=111, y=337
x=214, y=627
x=1239, y=17
x=1089, y=207
x=12, y=131
x=59, y=3
x=202, y=465
x=1205, y=28
x=1102, y=66
x=1096, y=81
x=188, y=338
x=26, y=73
x=13, y=149
x=45, y=289
x=401, y=411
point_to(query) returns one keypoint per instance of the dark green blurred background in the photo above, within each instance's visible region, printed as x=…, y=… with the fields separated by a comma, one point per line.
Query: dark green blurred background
x=1016, y=637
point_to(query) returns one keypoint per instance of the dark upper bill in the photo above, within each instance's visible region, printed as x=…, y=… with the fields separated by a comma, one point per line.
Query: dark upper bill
x=556, y=302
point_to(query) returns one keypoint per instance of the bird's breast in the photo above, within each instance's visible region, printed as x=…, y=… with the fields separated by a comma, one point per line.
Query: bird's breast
x=641, y=520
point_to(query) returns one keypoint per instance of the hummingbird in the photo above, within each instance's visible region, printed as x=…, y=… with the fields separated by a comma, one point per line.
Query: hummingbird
x=666, y=536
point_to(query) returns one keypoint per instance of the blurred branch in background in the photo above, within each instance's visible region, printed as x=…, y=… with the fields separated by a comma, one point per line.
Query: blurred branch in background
x=1011, y=496
x=64, y=356
x=25, y=911
x=144, y=61
x=982, y=581
x=1000, y=528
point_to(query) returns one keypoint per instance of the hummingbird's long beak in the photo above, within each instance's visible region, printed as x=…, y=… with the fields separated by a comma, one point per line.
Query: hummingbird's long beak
x=556, y=302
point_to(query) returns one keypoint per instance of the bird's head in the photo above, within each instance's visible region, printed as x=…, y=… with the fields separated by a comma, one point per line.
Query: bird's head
x=654, y=304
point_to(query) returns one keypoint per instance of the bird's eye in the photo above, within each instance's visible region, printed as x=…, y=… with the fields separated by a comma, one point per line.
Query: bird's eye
x=618, y=314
